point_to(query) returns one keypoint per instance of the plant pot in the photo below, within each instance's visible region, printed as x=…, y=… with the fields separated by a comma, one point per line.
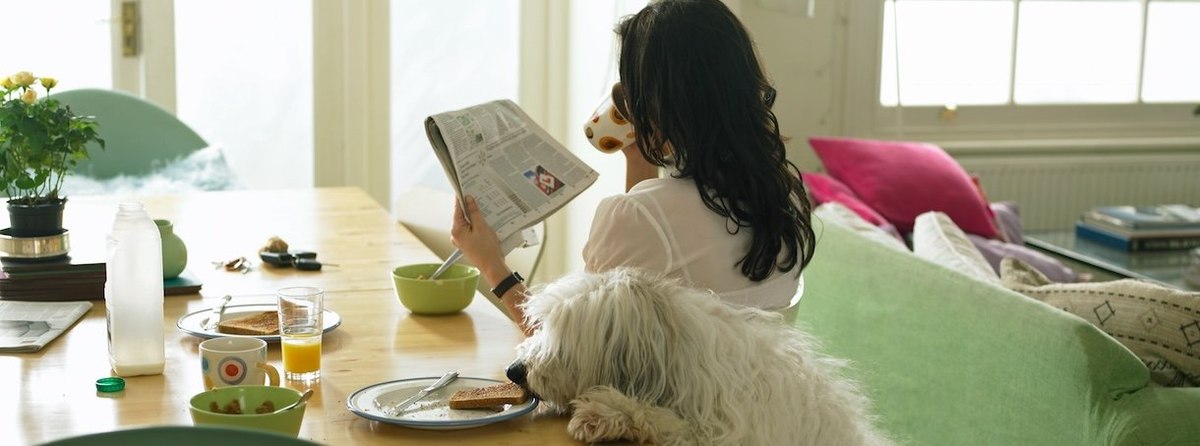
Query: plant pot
x=174, y=251
x=36, y=220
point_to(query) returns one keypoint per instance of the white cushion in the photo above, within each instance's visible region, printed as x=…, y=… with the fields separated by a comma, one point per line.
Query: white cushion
x=937, y=239
x=838, y=214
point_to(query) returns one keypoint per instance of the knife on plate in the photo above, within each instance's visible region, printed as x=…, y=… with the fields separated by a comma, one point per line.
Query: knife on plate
x=441, y=382
x=214, y=317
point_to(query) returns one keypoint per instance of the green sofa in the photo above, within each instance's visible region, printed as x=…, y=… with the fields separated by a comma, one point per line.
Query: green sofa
x=950, y=360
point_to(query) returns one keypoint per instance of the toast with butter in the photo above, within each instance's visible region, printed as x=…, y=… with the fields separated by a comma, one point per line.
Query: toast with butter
x=488, y=397
x=258, y=324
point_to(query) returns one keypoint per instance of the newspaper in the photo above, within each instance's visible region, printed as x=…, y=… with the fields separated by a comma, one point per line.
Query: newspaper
x=29, y=326
x=516, y=171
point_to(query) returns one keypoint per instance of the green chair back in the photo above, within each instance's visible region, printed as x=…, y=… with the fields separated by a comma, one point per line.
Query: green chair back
x=139, y=136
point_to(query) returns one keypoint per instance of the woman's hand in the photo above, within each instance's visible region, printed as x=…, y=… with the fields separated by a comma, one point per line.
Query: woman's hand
x=481, y=246
x=478, y=241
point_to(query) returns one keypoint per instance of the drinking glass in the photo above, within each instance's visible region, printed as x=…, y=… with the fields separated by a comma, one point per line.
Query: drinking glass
x=300, y=327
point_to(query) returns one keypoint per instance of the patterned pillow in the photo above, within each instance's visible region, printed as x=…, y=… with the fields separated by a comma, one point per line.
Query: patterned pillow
x=901, y=180
x=1158, y=324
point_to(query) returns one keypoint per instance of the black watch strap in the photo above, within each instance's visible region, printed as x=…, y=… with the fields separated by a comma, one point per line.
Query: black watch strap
x=507, y=284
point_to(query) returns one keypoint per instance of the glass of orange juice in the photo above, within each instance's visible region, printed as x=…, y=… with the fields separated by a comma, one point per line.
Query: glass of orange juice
x=300, y=328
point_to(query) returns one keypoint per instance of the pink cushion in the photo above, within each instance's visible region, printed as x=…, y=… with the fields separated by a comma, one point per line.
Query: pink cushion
x=825, y=189
x=901, y=180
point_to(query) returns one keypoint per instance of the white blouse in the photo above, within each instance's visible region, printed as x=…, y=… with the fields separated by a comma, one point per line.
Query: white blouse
x=662, y=225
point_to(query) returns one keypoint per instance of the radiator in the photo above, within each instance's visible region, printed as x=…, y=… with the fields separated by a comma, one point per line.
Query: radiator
x=1053, y=191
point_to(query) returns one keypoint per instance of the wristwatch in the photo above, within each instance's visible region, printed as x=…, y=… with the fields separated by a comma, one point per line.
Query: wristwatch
x=507, y=284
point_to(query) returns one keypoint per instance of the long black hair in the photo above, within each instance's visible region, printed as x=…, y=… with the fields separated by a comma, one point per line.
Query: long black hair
x=698, y=99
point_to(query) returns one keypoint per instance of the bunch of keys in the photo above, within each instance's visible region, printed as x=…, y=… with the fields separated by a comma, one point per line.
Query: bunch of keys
x=239, y=264
x=302, y=260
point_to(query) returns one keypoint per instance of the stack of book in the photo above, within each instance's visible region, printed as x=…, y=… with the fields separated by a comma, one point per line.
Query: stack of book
x=78, y=276
x=1141, y=228
x=65, y=279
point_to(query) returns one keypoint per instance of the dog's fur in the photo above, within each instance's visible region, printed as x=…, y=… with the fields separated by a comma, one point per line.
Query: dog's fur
x=637, y=357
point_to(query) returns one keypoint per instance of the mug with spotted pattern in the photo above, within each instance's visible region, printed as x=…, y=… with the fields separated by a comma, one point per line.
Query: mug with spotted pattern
x=607, y=129
x=236, y=360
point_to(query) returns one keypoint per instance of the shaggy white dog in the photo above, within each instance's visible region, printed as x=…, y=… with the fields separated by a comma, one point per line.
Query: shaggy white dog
x=637, y=357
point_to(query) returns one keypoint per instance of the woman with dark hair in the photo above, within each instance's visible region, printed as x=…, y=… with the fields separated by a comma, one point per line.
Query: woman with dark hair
x=731, y=214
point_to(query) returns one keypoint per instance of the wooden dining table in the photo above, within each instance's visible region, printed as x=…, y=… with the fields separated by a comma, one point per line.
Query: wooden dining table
x=51, y=394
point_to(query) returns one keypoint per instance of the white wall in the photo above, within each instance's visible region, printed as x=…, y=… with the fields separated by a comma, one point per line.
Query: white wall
x=804, y=56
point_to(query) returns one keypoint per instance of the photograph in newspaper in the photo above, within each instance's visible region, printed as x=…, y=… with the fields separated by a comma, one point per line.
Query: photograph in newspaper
x=516, y=171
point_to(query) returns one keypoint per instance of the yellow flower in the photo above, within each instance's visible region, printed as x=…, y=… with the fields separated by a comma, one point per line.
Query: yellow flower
x=49, y=82
x=22, y=78
x=7, y=84
x=29, y=97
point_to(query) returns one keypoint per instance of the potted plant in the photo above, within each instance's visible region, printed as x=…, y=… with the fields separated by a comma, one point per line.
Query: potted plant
x=40, y=143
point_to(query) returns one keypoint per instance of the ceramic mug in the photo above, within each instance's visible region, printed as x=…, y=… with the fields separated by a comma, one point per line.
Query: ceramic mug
x=607, y=129
x=236, y=360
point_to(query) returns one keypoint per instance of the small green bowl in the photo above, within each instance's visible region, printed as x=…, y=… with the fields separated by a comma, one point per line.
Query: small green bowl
x=450, y=293
x=249, y=397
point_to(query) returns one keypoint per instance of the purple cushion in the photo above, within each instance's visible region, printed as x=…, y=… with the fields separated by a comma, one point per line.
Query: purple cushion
x=995, y=251
x=1008, y=221
x=901, y=180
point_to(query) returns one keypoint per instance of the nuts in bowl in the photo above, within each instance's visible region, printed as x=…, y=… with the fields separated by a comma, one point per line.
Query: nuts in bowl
x=250, y=407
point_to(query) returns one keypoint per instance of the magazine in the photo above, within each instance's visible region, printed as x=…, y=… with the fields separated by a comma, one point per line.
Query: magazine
x=28, y=326
x=516, y=171
x=1136, y=218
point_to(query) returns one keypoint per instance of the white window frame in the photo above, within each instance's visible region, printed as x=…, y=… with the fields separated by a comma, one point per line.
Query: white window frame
x=151, y=73
x=999, y=127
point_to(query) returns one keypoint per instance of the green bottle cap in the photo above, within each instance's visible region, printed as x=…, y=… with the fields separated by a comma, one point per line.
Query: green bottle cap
x=110, y=384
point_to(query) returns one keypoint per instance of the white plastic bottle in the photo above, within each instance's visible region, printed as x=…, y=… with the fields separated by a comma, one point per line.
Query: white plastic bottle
x=133, y=294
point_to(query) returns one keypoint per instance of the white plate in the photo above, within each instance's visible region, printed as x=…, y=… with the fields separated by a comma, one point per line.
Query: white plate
x=193, y=323
x=432, y=412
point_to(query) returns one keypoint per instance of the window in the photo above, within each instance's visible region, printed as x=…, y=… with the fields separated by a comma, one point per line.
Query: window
x=76, y=49
x=244, y=81
x=1052, y=69
x=445, y=55
x=1039, y=52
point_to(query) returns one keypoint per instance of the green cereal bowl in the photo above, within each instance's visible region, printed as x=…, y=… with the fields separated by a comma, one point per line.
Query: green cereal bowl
x=249, y=397
x=450, y=293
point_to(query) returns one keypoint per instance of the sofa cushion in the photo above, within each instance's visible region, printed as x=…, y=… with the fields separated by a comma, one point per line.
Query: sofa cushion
x=1008, y=221
x=826, y=189
x=995, y=251
x=947, y=359
x=1161, y=325
x=902, y=180
x=937, y=239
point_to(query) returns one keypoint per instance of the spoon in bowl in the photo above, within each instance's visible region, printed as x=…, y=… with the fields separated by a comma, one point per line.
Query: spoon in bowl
x=303, y=397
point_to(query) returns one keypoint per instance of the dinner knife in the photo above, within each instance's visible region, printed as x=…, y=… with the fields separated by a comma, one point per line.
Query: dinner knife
x=441, y=382
x=214, y=317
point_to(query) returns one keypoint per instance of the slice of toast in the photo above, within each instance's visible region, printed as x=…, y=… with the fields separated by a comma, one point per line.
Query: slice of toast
x=488, y=397
x=258, y=324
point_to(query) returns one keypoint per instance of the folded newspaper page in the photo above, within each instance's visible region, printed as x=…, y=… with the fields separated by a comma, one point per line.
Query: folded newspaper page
x=29, y=326
x=516, y=171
